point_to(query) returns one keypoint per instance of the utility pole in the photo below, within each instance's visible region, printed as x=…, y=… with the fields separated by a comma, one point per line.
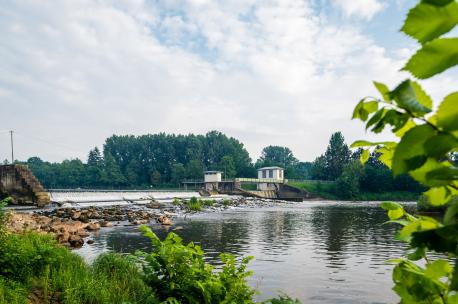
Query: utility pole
x=12, y=147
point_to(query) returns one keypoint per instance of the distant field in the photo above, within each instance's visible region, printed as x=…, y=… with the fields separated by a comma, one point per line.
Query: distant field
x=328, y=190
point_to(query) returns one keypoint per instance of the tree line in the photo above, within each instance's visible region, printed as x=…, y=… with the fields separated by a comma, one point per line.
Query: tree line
x=161, y=160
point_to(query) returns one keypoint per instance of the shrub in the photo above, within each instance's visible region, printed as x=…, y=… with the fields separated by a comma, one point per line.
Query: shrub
x=195, y=206
x=226, y=202
x=176, y=201
x=208, y=202
x=3, y=215
x=178, y=273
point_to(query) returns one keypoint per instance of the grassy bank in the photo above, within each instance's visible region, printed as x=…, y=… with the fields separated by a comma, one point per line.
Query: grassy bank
x=329, y=191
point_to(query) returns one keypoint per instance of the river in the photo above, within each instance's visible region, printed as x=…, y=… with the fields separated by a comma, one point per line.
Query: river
x=318, y=252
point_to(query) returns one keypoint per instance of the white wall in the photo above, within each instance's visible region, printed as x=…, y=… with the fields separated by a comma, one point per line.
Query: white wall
x=211, y=178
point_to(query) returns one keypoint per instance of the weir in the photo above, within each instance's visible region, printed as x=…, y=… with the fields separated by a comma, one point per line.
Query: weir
x=19, y=183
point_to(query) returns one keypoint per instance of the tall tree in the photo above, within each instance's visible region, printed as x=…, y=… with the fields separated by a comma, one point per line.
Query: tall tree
x=178, y=173
x=227, y=166
x=277, y=156
x=337, y=155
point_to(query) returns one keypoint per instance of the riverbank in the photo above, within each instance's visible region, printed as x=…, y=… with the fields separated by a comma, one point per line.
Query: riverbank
x=37, y=269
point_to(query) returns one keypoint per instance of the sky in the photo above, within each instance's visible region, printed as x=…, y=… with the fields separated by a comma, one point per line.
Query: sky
x=286, y=72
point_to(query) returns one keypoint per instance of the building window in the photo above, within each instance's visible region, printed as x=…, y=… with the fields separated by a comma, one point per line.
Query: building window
x=263, y=173
x=271, y=173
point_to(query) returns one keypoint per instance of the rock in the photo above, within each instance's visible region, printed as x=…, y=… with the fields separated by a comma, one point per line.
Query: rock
x=90, y=242
x=178, y=228
x=153, y=205
x=140, y=222
x=93, y=226
x=76, y=241
x=164, y=220
x=82, y=233
x=76, y=215
x=63, y=237
x=106, y=224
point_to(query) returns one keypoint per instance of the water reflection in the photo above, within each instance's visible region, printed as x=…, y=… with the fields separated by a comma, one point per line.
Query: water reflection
x=322, y=252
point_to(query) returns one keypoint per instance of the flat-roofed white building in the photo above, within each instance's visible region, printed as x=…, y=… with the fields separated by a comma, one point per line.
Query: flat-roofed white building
x=271, y=173
x=212, y=176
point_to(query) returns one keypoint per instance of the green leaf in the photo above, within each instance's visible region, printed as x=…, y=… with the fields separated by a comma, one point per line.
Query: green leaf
x=395, y=214
x=438, y=269
x=433, y=58
x=426, y=22
x=365, y=143
x=439, y=145
x=423, y=174
x=425, y=223
x=363, y=109
x=447, y=114
x=409, y=153
x=445, y=174
x=376, y=117
x=418, y=254
x=386, y=155
x=410, y=96
x=451, y=215
x=437, y=2
x=406, y=127
x=391, y=206
x=364, y=157
x=383, y=89
x=437, y=196
x=443, y=239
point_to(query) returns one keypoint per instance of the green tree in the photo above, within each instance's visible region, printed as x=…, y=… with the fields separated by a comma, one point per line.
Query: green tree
x=227, y=166
x=337, y=155
x=195, y=169
x=424, y=151
x=112, y=175
x=277, y=156
x=348, y=183
x=178, y=173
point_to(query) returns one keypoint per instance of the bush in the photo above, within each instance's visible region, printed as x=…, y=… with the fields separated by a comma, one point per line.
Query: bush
x=348, y=184
x=226, y=202
x=178, y=273
x=3, y=215
x=194, y=204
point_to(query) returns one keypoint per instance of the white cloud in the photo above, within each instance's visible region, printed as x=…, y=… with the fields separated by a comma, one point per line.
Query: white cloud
x=266, y=72
x=359, y=8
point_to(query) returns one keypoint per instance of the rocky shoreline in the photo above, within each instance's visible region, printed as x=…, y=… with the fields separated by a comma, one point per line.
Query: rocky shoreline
x=71, y=225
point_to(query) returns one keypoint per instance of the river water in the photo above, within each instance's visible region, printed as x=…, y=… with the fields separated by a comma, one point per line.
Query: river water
x=318, y=252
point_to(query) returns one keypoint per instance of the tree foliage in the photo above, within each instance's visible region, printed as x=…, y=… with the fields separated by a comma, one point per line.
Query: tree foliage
x=428, y=142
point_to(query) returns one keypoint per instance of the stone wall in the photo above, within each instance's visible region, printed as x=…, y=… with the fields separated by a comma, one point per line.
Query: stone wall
x=18, y=182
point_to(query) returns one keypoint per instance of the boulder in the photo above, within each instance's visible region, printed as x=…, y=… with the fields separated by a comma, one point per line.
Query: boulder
x=93, y=226
x=164, y=220
x=76, y=241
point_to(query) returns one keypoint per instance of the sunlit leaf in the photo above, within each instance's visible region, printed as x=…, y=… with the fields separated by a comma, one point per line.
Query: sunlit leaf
x=391, y=206
x=383, y=90
x=364, y=157
x=365, y=143
x=438, y=269
x=451, y=215
x=426, y=22
x=447, y=114
x=364, y=108
x=422, y=174
x=433, y=58
x=437, y=196
x=410, y=96
x=423, y=224
x=440, y=145
x=406, y=127
x=409, y=153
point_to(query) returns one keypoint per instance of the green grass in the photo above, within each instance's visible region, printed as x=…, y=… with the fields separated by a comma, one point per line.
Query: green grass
x=32, y=262
x=329, y=191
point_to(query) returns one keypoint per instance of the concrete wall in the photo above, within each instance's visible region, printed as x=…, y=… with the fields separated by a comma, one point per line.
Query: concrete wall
x=211, y=177
x=271, y=173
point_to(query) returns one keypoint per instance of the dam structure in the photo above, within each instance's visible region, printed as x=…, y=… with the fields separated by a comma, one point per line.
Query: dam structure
x=270, y=184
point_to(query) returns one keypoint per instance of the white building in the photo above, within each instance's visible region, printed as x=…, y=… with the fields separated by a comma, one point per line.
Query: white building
x=212, y=176
x=271, y=173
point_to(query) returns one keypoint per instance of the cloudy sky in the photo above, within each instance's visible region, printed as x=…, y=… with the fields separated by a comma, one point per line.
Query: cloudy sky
x=286, y=72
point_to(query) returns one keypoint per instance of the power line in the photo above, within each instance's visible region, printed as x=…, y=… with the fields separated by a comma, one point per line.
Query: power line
x=54, y=144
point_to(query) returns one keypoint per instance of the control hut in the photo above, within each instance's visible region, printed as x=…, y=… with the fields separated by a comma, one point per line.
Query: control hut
x=212, y=179
x=271, y=175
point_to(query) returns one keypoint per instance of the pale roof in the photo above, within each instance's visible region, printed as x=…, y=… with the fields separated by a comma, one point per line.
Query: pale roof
x=270, y=168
